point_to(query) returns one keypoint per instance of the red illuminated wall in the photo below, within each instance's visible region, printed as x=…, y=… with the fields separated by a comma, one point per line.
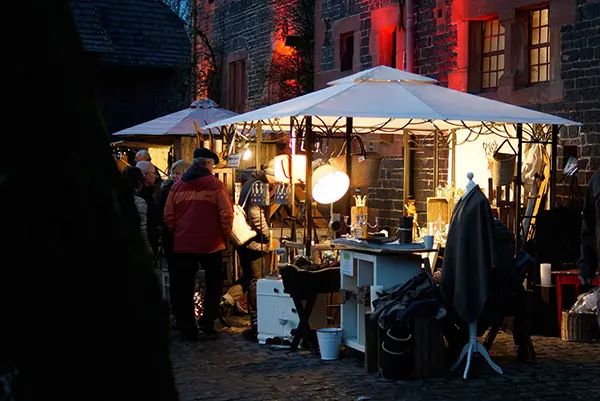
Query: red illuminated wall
x=373, y=23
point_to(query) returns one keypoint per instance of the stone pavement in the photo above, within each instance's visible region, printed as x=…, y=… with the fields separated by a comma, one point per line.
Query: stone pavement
x=232, y=368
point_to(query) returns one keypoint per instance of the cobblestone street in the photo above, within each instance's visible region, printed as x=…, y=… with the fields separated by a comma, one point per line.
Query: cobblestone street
x=232, y=368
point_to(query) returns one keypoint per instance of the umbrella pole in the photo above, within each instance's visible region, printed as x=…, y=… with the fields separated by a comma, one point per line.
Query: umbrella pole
x=453, y=151
x=199, y=140
x=258, y=143
x=517, y=193
x=406, y=175
x=436, y=158
x=308, y=192
x=292, y=181
x=553, y=166
x=349, y=127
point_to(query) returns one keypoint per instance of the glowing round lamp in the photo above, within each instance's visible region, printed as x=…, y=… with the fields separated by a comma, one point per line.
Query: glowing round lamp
x=329, y=184
x=282, y=168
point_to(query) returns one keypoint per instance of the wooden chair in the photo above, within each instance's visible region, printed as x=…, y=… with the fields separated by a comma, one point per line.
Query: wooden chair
x=506, y=204
x=304, y=286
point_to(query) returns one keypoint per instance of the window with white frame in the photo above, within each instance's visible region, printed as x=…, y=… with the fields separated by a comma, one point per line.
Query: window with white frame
x=539, y=46
x=493, y=53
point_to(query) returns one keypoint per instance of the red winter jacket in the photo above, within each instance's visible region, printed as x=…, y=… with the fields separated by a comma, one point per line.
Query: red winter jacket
x=199, y=213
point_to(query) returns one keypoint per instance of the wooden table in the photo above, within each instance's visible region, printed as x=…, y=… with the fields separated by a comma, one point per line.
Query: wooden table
x=567, y=277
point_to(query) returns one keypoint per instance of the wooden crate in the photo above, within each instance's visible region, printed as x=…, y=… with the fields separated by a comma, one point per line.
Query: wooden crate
x=439, y=209
x=227, y=177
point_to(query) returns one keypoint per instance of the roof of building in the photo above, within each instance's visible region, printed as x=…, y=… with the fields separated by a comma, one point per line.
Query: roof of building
x=132, y=32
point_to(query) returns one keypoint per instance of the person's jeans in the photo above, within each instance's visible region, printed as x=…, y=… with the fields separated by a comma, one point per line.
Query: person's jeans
x=183, y=281
x=242, y=284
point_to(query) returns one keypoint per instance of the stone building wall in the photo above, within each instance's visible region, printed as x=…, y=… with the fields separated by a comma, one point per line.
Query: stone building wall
x=580, y=73
x=435, y=39
x=386, y=197
x=243, y=29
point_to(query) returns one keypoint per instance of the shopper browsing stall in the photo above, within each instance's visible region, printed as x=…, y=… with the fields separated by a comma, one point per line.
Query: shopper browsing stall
x=253, y=253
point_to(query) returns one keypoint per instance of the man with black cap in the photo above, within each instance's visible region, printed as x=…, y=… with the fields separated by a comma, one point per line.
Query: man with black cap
x=199, y=213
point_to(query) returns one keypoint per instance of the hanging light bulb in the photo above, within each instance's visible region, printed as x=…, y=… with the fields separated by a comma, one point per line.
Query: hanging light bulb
x=329, y=184
x=247, y=153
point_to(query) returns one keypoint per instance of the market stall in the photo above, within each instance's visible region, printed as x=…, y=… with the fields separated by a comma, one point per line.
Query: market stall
x=388, y=101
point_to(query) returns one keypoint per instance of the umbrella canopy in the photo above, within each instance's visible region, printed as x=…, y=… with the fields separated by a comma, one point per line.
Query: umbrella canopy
x=394, y=99
x=203, y=112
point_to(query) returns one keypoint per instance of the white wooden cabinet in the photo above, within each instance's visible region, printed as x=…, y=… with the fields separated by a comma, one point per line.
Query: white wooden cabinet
x=360, y=269
x=272, y=303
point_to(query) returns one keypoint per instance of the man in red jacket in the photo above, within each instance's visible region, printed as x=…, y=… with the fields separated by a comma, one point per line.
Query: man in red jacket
x=199, y=213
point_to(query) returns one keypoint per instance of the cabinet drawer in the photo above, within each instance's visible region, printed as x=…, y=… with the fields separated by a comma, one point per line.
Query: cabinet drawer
x=269, y=287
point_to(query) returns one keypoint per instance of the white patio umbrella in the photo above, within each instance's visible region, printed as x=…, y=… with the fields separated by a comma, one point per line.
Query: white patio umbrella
x=387, y=100
x=398, y=99
x=181, y=123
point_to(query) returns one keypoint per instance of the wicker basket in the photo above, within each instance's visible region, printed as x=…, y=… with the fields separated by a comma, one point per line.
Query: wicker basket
x=579, y=327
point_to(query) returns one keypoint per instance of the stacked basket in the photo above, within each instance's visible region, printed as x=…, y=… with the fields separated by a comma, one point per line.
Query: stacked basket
x=579, y=327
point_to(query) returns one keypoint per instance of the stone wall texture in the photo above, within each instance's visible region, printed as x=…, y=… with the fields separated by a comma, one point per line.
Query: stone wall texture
x=243, y=29
x=580, y=48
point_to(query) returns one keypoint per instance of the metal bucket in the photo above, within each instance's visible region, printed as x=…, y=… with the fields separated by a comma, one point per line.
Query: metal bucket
x=503, y=168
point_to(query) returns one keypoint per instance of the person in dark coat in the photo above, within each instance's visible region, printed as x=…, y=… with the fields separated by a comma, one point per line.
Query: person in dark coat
x=590, y=232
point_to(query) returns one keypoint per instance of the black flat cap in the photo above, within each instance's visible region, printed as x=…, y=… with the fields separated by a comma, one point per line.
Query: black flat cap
x=206, y=154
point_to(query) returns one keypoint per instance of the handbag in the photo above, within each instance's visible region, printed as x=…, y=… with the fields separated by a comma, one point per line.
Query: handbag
x=241, y=232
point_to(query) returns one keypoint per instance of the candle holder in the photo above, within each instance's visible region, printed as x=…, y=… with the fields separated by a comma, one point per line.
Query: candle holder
x=359, y=229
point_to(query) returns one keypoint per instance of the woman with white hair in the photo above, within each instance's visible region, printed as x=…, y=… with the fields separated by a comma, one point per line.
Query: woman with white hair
x=142, y=155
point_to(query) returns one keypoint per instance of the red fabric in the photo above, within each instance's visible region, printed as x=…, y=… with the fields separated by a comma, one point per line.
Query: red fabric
x=199, y=213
